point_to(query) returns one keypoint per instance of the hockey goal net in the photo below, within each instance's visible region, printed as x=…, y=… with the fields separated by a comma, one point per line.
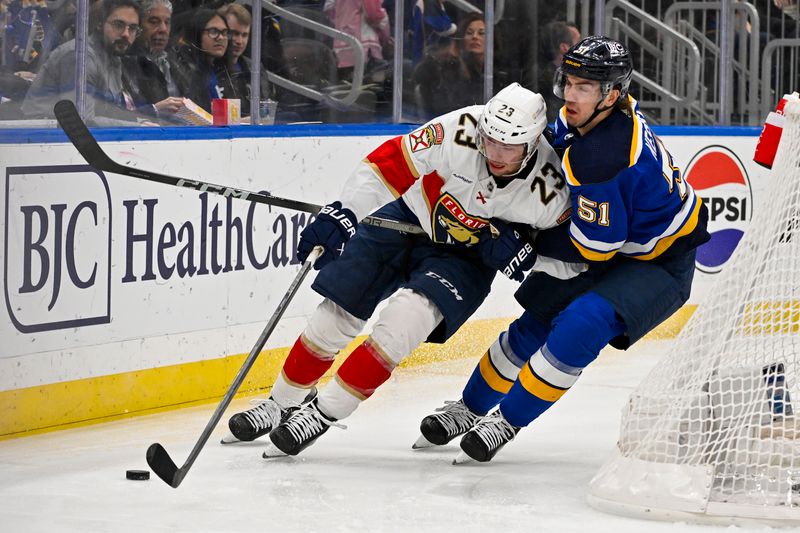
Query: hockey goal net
x=712, y=434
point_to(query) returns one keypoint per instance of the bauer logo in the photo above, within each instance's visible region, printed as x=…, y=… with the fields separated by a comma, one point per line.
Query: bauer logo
x=720, y=179
x=57, y=247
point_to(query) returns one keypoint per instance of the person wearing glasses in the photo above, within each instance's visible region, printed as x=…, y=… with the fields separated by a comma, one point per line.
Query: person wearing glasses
x=203, y=56
x=114, y=25
x=236, y=79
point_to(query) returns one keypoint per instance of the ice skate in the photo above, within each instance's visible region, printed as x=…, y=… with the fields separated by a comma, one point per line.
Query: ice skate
x=259, y=420
x=449, y=422
x=300, y=429
x=483, y=441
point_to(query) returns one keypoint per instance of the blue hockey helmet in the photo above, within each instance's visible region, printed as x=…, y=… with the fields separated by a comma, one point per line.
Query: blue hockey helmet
x=596, y=58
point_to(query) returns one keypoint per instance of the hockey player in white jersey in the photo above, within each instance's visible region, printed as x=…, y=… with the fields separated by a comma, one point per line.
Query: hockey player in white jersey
x=458, y=176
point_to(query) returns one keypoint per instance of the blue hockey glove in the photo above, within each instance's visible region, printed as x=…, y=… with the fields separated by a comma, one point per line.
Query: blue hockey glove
x=507, y=251
x=332, y=228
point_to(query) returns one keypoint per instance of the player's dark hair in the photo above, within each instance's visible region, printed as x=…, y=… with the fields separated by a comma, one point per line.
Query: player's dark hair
x=624, y=105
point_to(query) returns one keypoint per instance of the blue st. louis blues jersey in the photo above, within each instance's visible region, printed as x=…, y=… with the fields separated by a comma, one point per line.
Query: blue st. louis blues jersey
x=628, y=197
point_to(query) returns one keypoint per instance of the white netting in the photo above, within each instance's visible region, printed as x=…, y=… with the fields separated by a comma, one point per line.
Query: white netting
x=712, y=431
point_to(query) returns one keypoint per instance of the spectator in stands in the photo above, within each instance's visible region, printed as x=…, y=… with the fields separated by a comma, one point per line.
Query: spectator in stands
x=516, y=35
x=271, y=47
x=430, y=25
x=557, y=37
x=367, y=21
x=236, y=81
x=202, y=56
x=25, y=39
x=114, y=25
x=62, y=14
x=471, y=40
x=452, y=76
x=148, y=64
x=27, y=35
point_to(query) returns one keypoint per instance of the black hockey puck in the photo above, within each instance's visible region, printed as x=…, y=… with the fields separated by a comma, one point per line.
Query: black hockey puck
x=138, y=475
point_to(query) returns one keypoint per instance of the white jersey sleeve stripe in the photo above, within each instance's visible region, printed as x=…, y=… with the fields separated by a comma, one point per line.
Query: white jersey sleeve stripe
x=678, y=227
x=552, y=371
x=597, y=246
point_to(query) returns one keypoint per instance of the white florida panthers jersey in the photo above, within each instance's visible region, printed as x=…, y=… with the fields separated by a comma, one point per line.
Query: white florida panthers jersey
x=444, y=180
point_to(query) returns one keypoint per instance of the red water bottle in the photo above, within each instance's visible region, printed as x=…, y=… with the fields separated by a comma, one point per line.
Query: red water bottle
x=770, y=136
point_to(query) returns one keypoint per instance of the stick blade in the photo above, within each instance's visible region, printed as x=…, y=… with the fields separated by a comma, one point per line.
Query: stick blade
x=163, y=465
x=71, y=122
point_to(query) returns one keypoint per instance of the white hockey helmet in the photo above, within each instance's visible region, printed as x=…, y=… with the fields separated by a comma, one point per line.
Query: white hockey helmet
x=515, y=115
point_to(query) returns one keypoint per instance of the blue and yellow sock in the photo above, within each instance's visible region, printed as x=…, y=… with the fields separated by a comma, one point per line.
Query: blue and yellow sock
x=498, y=368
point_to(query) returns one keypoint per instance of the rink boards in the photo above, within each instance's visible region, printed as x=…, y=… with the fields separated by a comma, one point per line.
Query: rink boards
x=124, y=296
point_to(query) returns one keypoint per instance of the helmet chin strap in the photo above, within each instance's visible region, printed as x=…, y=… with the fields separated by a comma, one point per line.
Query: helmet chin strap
x=597, y=111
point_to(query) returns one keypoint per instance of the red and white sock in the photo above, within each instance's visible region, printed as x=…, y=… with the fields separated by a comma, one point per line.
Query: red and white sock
x=366, y=369
x=303, y=368
x=371, y=364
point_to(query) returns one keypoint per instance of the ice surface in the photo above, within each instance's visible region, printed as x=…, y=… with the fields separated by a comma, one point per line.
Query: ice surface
x=365, y=478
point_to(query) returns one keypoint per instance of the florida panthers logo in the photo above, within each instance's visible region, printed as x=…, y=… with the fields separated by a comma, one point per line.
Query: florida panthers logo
x=451, y=224
x=426, y=137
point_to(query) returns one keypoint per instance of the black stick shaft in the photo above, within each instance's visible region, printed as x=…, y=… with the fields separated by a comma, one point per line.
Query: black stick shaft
x=157, y=457
x=83, y=140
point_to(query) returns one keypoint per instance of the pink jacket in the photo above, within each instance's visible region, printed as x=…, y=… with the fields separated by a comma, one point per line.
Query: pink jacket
x=366, y=20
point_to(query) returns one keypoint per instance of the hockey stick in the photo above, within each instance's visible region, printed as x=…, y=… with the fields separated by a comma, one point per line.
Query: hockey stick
x=83, y=140
x=158, y=458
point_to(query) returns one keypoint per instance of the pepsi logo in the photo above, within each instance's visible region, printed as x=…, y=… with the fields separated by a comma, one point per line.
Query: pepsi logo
x=720, y=179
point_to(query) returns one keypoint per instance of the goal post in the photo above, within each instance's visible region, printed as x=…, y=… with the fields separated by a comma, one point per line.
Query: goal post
x=712, y=434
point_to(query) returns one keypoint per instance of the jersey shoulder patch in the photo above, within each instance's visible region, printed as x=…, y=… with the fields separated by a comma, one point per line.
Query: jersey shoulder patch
x=603, y=153
x=425, y=137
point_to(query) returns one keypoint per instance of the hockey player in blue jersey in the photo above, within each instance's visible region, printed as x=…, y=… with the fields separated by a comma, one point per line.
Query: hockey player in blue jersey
x=636, y=224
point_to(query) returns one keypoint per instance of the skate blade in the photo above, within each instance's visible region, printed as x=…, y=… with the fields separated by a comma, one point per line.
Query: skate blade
x=463, y=458
x=422, y=443
x=229, y=439
x=272, y=451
